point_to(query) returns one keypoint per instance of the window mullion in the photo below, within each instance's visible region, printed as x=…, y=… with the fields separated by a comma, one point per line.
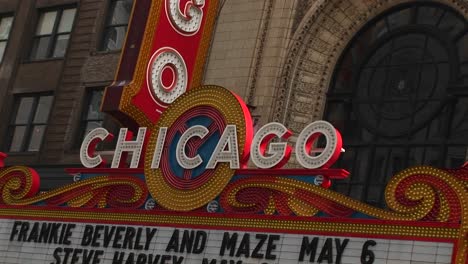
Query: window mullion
x=440, y=18
x=118, y=42
x=54, y=34
x=451, y=105
x=414, y=14
x=93, y=120
x=457, y=37
x=29, y=126
x=117, y=25
x=10, y=135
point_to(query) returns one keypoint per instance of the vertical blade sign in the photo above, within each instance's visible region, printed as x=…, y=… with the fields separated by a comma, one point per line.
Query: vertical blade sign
x=172, y=53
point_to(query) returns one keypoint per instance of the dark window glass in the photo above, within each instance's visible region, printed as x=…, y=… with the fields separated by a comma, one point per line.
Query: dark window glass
x=400, y=98
x=61, y=46
x=116, y=26
x=93, y=118
x=52, y=33
x=29, y=123
x=5, y=28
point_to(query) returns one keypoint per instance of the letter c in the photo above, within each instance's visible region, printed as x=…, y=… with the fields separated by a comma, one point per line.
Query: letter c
x=182, y=158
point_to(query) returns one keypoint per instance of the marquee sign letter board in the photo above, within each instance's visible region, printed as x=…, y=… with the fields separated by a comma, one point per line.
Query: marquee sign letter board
x=179, y=190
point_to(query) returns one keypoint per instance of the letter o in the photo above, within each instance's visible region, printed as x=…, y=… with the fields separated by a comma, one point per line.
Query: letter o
x=166, y=59
x=306, y=139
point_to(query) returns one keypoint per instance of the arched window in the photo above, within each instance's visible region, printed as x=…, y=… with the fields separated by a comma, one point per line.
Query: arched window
x=399, y=96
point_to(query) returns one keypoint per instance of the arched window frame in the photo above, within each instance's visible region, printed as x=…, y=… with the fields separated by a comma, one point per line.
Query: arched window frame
x=370, y=171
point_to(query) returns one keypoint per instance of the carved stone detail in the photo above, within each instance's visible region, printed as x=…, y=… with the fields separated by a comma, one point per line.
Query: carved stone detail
x=321, y=36
x=301, y=10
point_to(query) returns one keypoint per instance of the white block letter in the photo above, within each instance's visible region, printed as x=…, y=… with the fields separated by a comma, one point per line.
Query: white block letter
x=221, y=154
x=306, y=139
x=185, y=161
x=167, y=59
x=278, y=153
x=89, y=146
x=159, y=147
x=125, y=145
x=188, y=23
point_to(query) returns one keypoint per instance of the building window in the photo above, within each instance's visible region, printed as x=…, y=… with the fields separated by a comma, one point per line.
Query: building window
x=116, y=26
x=400, y=97
x=5, y=28
x=52, y=33
x=29, y=122
x=93, y=118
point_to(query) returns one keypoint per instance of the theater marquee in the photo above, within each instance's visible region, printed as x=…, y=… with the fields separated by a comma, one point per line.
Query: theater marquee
x=185, y=193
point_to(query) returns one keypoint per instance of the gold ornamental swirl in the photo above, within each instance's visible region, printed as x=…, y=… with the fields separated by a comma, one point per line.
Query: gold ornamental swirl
x=415, y=194
x=419, y=193
x=20, y=185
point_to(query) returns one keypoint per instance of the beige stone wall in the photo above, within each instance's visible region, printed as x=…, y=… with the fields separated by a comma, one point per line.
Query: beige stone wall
x=249, y=46
x=234, y=44
x=270, y=59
